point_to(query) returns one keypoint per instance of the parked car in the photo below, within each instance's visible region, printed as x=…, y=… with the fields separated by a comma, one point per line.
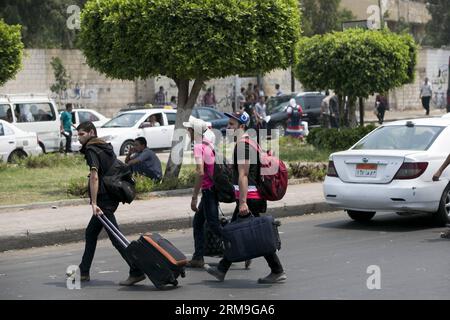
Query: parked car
x=33, y=113
x=276, y=109
x=121, y=130
x=391, y=169
x=84, y=115
x=16, y=143
x=217, y=119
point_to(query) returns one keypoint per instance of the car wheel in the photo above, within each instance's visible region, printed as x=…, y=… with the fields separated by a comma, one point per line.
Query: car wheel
x=127, y=145
x=360, y=216
x=442, y=216
x=16, y=155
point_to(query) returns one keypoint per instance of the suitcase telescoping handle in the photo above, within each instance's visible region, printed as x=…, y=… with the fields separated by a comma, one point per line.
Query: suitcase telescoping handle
x=115, y=232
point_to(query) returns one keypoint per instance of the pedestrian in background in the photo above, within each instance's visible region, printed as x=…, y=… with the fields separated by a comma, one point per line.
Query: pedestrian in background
x=160, y=97
x=66, y=127
x=209, y=99
x=143, y=160
x=426, y=92
x=381, y=105
x=279, y=92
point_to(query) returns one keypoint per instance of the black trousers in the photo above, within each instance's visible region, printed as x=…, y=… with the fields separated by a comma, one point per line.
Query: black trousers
x=256, y=207
x=68, y=137
x=93, y=230
x=426, y=104
x=208, y=210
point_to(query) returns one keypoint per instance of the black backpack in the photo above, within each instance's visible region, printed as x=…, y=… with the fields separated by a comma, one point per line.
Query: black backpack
x=118, y=180
x=223, y=180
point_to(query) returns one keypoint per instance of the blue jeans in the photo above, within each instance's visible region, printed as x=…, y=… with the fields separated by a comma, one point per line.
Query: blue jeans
x=208, y=210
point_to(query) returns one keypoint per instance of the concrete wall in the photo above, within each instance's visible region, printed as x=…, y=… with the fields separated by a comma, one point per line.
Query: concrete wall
x=108, y=96
x=88, y=88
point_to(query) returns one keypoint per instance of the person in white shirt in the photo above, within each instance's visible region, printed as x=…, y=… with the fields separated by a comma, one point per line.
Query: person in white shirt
x=426, y=92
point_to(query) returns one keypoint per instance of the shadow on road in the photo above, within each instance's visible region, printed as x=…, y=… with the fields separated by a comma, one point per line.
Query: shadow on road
x=387, y=223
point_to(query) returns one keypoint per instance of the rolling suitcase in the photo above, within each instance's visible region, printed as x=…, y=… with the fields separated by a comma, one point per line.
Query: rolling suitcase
x=159, y=259
x=250, y=238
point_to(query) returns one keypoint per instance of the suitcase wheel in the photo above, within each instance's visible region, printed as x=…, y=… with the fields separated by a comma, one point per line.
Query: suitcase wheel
x=183, y=274
x=175, y=283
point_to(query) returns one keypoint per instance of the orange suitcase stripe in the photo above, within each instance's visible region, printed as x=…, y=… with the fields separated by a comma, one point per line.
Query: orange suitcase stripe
x=165, y=253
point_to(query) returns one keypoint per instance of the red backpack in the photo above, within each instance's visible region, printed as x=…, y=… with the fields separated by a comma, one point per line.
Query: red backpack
x=273, y=175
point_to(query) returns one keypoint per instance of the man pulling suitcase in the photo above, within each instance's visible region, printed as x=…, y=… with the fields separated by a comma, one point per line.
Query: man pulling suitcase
x=100, y=157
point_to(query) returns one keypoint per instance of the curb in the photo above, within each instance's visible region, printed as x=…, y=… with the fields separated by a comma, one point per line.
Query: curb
x=68, y=236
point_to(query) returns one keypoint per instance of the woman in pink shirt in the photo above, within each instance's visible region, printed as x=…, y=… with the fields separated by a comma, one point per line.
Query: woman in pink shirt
x=207, y=210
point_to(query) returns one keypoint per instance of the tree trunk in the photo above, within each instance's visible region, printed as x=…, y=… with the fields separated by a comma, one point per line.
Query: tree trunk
x=186, y=101
x=352, y=121
x=341, y=110
x=361, y=112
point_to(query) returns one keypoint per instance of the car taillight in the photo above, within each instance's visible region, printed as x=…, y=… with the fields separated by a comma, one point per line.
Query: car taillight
x=411, y=170
x=331, y=170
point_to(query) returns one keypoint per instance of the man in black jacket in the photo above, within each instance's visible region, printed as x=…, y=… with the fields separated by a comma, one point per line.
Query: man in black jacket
x=100, y=156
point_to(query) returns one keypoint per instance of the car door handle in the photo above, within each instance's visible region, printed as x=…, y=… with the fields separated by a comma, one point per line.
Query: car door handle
x=11, y=142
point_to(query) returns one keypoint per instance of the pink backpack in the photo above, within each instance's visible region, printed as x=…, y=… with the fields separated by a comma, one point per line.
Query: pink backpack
x=273, y=177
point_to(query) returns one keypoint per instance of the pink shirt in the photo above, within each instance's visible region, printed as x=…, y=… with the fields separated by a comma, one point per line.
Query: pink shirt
x=205, y=153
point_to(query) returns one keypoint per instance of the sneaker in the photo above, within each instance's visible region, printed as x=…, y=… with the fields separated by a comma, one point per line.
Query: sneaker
x=445, y=234
x=195, y=263
x=273, y=278
x=132, y=280
x=219, y=275
x=247, y=264
x=83, y=277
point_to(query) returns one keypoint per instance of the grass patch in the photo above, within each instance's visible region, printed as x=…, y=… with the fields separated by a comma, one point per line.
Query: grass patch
x=294, y=150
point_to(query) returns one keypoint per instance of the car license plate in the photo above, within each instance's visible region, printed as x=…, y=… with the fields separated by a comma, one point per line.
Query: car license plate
x=366, y=170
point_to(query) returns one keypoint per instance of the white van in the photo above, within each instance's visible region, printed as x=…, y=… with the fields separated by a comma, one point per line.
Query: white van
x=33, y=113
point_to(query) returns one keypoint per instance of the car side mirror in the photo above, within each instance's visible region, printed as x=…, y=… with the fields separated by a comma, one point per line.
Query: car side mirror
x=145, y=125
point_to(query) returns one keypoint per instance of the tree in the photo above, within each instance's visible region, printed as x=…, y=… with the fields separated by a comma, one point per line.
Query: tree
x=11, y=51
x=438, y=28
x=44, y=22
x=61, y=77
x=323, y=16
x=357, y=63
x=188, y=41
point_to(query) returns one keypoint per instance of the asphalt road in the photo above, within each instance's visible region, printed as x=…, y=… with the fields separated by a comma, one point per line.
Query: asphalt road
x=326, y=256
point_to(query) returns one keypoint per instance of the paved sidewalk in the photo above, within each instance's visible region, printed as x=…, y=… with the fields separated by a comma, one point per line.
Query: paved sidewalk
x=40, y=227
x=393, y=115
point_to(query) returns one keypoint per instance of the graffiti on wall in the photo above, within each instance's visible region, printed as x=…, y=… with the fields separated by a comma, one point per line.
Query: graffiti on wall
x=78, y=94
x=439, y=82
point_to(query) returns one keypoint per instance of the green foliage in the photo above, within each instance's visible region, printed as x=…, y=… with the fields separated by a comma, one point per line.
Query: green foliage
x=356, y=62
x=195, y=39
x=313, y=171
x=78, y=187
x=51, y=160
x=337, y=139
x=61, y=76
x=11, y=51
x=44, y=21
x=293, y=149
x=323, y=16
x=438, y=28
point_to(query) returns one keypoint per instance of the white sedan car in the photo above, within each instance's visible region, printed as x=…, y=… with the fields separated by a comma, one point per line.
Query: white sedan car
x=391, y=170
x=127, y=126
x=15, y=142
